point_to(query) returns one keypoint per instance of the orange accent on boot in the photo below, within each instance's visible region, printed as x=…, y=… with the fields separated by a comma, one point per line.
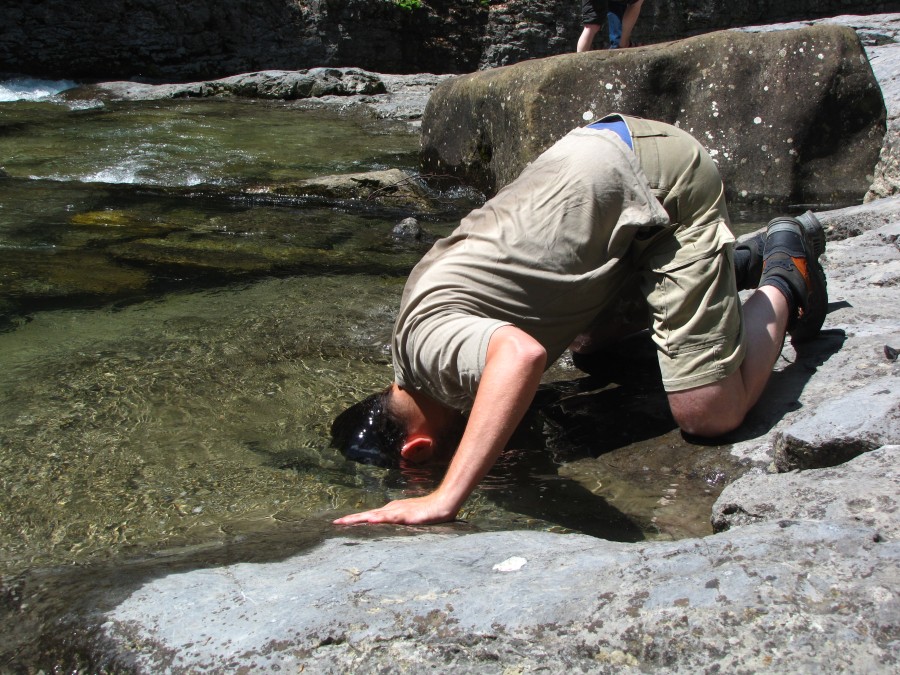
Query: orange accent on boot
x=804, y=272
x=803, y=269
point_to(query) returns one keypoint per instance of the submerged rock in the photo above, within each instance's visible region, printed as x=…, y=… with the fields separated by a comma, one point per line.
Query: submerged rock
x=391, y=188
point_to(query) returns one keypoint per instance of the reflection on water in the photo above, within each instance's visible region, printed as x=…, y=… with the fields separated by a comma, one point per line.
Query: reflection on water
x=173, y=357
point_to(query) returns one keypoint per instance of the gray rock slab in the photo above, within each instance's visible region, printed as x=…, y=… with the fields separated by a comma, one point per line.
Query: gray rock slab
x=854, y=220
x=837, y=395
x=865, y=490
x=843, y=428
x=791, y=596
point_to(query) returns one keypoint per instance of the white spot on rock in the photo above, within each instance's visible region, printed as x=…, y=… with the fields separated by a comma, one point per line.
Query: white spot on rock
x=587, y=115
x=757, y=120
x=513, y=564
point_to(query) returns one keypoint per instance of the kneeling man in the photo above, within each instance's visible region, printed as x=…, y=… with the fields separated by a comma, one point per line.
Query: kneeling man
x=622, y=205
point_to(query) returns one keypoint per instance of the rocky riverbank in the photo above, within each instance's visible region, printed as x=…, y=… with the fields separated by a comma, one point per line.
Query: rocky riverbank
x=801, y=575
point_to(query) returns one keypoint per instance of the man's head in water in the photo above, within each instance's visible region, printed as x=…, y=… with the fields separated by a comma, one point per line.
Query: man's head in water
x=396, y=424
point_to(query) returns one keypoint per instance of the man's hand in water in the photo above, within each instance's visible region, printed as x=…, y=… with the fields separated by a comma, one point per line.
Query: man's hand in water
x=512, y=371
x=426, y=510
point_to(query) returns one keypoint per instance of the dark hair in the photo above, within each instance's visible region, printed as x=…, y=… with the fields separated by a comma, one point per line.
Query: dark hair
x=367, y=433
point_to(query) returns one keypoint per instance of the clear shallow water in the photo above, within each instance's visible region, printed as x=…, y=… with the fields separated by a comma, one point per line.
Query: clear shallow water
x=173, y=354
x=188, y=142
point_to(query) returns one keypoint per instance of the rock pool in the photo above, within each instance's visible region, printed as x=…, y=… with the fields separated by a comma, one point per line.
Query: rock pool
x=173, y=350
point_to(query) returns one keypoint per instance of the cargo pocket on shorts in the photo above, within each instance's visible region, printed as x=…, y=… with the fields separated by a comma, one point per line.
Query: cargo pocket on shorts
x=696, y=317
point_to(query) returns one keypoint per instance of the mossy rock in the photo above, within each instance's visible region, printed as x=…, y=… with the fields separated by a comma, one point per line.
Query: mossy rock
x=389, y=188
x=104, y=218
x=110, y=225
x=238, y=256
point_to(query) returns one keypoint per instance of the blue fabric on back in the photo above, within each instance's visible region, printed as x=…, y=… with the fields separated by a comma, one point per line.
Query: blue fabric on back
x=618, y=126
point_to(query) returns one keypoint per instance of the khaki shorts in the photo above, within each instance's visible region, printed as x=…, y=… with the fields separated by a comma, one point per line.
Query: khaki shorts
x=686, y=271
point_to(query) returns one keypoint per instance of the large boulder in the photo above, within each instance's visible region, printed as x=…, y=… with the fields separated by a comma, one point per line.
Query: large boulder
x=788, y=115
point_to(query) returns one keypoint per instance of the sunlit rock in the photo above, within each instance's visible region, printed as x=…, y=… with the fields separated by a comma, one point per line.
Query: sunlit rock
x=787, y=115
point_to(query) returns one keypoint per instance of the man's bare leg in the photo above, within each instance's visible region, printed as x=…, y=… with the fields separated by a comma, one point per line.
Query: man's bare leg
x=720, y=407
x=629, y=19
x=586, y=41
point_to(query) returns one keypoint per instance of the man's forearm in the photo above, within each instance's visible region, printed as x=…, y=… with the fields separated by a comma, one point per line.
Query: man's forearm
x=513, y=369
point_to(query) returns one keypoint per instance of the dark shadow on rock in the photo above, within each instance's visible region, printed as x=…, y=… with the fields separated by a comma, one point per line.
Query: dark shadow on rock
x=622, y=400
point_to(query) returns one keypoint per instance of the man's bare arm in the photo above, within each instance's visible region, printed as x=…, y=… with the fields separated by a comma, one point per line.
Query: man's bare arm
x=513, y=368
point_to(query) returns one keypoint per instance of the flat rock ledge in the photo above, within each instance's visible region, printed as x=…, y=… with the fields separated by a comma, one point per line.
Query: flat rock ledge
x=786, y=596
x=382, y=96
x=801, y=577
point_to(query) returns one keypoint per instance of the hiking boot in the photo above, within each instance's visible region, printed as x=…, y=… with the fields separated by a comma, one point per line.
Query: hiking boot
x=791, y=264
x=752, y=248
x=748, y=261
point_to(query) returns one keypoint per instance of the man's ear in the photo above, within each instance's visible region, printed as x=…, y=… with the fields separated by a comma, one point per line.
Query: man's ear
x=418, y=448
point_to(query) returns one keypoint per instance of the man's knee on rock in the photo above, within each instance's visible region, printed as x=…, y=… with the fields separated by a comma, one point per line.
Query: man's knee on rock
x=703, y=417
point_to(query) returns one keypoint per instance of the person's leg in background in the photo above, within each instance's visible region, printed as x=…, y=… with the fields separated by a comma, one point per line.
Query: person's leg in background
x=614, y=15
x=592, y=18
x=629, y=19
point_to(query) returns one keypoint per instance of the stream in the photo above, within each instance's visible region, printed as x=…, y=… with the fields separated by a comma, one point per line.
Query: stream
x=172, y=352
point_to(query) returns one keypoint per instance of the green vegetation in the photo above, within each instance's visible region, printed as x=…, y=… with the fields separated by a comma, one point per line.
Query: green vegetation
x=408, y=4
